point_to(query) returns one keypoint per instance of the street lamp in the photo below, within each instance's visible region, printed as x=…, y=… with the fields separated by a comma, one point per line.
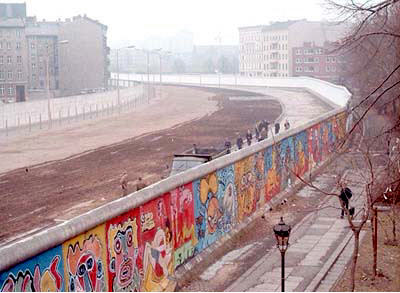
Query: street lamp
x=127, y=47
x=160, y=53
x=282, y=232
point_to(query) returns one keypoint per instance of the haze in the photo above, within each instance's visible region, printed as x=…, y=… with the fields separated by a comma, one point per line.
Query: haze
x=129, y=21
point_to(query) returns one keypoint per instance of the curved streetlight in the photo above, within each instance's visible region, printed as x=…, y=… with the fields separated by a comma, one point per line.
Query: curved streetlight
x=282, y=233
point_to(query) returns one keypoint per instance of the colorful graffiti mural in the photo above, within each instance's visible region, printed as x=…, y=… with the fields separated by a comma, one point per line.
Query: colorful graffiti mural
x=182, y=215
x=85, y=261
x=156, y=251
x=41, y=273
x=140, y=249
x=272, y=173
x=122, y=252
x=245, y=186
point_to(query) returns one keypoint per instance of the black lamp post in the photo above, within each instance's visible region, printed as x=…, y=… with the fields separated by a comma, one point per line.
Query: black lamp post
x=282, y=232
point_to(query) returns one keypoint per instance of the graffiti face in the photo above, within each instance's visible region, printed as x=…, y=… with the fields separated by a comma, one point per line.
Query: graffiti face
x=85, y=266
x=123, y=248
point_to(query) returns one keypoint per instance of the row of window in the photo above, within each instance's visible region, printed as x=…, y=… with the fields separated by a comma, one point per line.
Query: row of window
x=315, y=60
x=9, y=32
x=10, y=74
x=9, y=59
x=314, y=69
x=10, y=90
x=268, y=66
x=309, y=51
x=273, y=56
x=8, y=45
x=264, y=38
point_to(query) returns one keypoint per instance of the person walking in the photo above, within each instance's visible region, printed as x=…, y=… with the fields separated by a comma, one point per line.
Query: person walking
x=249, y=137
x=239, y=142
x=257, y=134
x=140, y=185
x=287, y=125
x=124, y=183
x=344, y=197
x=228, y=146
x=277, y=127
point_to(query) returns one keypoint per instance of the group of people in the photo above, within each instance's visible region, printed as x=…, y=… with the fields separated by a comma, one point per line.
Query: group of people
x=261, y=132
x=124, y=181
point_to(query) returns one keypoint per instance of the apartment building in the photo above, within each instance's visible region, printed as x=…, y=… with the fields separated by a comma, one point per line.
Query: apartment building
x=13, y=60
x=266, y=50
x=83, y=55
x=65, y=57
x=318, y=61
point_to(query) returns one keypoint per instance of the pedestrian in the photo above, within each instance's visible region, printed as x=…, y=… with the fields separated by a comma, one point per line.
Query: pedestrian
x=124, y=183
x=287, y=125
x=345, y=195
x=277, y=127
x=194, y=149
x=228, y=146
x=249, y=137
x=257, y=133
x=239, y=142
x=140, y=185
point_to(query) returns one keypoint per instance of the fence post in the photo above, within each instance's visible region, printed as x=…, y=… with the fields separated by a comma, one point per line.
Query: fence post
x=6, y=127
x=30, y=123
x=76, y=112
x=18, y=121
x=59, y=117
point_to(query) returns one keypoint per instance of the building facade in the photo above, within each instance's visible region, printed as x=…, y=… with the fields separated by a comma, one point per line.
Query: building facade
x=83, y=58
x=64, y=57
x=321, y=62
x=13, y=60
x=266, y=50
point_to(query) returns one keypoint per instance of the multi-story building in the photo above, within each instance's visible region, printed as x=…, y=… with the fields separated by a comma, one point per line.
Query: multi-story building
x=83, y=58
x=266, y=50
x=43, y=45
x=13, y=60
x=62, y=56
x=321, y=62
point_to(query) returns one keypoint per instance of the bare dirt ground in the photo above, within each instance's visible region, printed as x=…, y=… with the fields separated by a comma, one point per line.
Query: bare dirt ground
x=53, y=192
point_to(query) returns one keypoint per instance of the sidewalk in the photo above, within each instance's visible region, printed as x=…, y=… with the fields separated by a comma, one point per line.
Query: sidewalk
x=316, y=243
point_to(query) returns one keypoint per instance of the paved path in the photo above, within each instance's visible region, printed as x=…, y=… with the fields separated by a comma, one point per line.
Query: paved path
x=316, y=243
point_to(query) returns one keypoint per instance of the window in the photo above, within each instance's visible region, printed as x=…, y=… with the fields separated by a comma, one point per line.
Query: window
x=299, y=69
x=18, y=33
x=2, y=90
x=2, y=77
x=9, y=74
x=18, y=45
x=32, y=45
x=333, y=69
x=298, y=60
x=328, y=59
x=9, y=60
x=1, y=60
x=1, y=45
x=33, y=66
x=19, y=75
x=328, y=68
x=33, y=77
x=10, y=91
x=298, y=52
x=19, y=59
x=333, y=59
x=8, y=45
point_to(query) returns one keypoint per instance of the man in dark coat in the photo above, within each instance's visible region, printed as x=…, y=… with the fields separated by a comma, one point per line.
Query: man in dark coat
x=345, y=195
x=249, y=137
x=239, y=142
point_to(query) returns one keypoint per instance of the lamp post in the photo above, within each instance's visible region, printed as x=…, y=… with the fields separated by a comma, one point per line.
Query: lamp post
x=118, y=95
x=282, y=232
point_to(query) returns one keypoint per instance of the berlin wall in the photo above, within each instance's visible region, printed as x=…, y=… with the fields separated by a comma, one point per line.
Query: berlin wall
x=137, y=242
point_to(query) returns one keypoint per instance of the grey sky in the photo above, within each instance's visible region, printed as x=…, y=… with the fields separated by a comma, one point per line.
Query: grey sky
x=130, y=20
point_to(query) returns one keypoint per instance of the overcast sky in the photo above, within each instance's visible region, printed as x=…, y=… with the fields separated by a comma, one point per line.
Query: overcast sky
x=131, y=20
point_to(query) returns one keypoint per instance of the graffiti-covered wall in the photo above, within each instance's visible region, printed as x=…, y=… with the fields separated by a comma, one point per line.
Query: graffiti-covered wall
x=140, y=249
